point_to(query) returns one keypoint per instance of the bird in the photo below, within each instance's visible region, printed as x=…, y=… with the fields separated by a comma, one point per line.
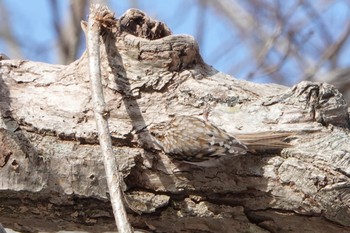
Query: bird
x=199, y=142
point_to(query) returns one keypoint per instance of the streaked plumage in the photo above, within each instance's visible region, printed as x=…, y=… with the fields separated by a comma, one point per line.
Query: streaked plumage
x=193, y=140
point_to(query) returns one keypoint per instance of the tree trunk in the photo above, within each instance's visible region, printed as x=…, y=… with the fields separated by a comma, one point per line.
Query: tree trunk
x=51, y=169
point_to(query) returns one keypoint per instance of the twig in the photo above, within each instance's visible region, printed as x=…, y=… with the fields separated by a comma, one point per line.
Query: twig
x=97, y=13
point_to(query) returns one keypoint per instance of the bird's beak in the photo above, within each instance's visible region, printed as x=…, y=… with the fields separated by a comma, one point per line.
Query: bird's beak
x=141, y=130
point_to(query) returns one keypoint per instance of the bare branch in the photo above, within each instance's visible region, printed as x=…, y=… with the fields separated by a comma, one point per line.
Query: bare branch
x=7, y=34
x=101, y=115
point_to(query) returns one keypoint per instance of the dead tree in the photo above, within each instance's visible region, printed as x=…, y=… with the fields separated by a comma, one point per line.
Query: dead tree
x=51, y=170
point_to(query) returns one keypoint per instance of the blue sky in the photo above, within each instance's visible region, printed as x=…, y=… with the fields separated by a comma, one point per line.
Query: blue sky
x=34, y=18
x=31, y=22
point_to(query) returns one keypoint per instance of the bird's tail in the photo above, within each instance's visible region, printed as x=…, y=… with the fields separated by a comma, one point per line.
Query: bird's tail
x=265, y=140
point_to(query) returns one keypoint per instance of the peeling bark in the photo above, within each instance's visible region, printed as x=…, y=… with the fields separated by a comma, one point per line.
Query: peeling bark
x=52, y=174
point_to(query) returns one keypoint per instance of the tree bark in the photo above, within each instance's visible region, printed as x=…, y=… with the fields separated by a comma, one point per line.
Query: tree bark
x=51, y=171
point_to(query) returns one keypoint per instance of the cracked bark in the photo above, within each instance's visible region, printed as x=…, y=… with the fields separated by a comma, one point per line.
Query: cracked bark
x=51, y=171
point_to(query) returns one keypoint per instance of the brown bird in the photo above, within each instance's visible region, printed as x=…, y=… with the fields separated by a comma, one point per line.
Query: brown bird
x=195, y=141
